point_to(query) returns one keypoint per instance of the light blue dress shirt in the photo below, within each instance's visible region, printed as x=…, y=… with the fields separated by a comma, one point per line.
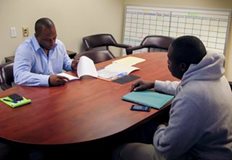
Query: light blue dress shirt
x=32, y=66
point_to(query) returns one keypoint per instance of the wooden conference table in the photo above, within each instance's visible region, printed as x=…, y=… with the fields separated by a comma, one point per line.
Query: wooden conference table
x=80, y=111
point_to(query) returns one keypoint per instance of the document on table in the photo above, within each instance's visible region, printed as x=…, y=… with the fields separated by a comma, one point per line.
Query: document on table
x=69, y=76
x=84, y=67
x=113, y=71
x=119, y=68
x=129, y=61
x=110, y=72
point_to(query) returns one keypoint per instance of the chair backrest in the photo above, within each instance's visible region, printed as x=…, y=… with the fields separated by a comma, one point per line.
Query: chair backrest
x=101, y=42
x=7, y=75
x=98, y=40
x=96, y=55
x=153, y=42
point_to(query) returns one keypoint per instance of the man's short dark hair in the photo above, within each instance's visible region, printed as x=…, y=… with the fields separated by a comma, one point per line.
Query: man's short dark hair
x=43, y=23
x=188, y=49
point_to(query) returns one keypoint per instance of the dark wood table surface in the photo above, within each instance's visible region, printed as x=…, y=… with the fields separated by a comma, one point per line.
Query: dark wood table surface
x=80, y=111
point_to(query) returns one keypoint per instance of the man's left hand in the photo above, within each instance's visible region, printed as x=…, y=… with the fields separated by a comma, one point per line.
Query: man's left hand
x=74, y=64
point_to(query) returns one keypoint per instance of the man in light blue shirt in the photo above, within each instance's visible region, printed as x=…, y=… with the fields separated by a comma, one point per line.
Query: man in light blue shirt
x=41, y=57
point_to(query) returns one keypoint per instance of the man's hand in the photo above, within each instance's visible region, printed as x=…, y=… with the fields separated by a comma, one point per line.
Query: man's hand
x=55, y=80
x=141, y=86
x=74, y=64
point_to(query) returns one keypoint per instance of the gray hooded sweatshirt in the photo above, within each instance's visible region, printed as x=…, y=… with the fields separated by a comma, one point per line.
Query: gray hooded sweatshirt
x=200, y=124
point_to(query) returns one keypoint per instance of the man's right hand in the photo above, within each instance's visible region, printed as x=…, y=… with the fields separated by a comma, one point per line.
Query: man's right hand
x=55, y=80
x=142, y=85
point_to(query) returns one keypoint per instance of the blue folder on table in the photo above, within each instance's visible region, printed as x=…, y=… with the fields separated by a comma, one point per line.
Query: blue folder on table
x=148, y=98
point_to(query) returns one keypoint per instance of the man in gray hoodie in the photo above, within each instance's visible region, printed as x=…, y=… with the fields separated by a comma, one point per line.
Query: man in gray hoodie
x=200, y=118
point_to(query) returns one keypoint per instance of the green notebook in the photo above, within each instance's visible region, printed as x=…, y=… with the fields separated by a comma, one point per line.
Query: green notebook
x=148, y=98
x=7, y=100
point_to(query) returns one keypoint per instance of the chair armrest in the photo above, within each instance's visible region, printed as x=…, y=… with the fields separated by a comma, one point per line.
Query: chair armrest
x=122, y=45
x=131, y=49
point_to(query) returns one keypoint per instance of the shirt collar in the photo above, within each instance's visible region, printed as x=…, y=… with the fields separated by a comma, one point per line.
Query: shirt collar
x=36, y=44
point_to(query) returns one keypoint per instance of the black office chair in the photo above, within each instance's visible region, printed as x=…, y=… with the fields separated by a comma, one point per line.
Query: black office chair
x=96, y=55
x=153, y=43
x=101, y=42
x=7, y=76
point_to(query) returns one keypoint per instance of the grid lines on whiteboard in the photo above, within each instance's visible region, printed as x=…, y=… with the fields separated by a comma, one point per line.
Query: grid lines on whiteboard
x=210, y=26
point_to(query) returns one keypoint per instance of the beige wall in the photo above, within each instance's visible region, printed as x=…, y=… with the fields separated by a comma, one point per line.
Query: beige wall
x=218, y=4
x=73, y=19
x=77, y=18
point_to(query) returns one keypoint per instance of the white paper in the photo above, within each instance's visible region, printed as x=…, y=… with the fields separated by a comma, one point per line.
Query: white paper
x=107, y=74
x=129, y=61
x=112, y=71
x=86, y=67
x=70, y=77
x=120, y=68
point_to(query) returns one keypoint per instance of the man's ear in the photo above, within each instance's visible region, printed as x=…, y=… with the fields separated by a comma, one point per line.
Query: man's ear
x=183, y=67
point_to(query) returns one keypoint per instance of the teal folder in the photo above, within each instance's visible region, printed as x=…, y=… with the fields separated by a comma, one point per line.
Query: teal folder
x=148, y=98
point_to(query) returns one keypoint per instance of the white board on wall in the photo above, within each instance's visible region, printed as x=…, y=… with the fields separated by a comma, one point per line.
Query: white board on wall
x=211, y=26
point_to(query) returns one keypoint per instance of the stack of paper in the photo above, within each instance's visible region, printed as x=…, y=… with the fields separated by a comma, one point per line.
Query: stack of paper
x=85, y=67
x=129, y=61
x=117, y=69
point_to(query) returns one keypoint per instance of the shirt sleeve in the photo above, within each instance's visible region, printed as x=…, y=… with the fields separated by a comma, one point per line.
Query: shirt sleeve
x=67, y=63
x=67, y=60
x=166, y=86
x=22, y=69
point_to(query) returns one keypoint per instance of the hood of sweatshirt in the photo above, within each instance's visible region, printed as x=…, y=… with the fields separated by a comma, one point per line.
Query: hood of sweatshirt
x=209, y=68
